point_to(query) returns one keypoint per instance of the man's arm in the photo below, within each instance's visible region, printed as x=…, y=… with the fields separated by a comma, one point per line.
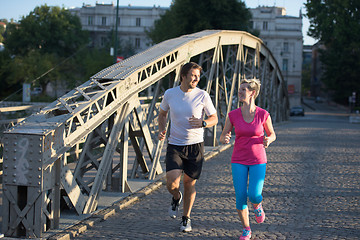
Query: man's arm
x=210, y=121
x=162, y=118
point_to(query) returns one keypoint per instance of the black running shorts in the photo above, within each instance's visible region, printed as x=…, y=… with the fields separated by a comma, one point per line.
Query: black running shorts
x=189, y=158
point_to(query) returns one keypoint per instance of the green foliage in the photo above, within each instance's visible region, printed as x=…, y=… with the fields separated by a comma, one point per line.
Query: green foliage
x=47, y=46
x=186, y=17
x=336, y=24
x=306, y=78
x=48, y=29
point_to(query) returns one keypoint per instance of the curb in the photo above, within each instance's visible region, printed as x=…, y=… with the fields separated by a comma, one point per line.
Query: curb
x=105, y=213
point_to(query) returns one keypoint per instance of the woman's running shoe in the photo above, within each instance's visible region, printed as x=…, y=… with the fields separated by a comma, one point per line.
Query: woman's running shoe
x=259, y=213
x=246, y=234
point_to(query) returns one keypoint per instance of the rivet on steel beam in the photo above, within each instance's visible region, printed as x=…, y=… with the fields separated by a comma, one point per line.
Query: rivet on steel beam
x=15, y=143
x=14, y=174
x=39, y=176
x=14, y=158
x=38, y=191
x=15, y=150
x=40, y=160
x=6, y=166
x=14, y=167
x=14, y=181
x=39, y=183
x=39, y=168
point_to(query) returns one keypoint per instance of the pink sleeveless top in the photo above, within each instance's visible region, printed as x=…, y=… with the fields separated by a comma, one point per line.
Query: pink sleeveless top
x=249, y=148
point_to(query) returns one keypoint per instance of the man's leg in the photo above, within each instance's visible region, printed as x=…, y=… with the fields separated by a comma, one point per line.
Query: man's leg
x=189, y=194
x=173, y=182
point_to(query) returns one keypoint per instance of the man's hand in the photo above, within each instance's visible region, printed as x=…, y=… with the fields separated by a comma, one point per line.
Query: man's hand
x=195, y=122
x=162, y=135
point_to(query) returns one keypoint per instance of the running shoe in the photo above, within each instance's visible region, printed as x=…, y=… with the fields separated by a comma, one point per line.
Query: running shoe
x=185, y=224
x=259, y=213
x=246, y=234
x=174, y=208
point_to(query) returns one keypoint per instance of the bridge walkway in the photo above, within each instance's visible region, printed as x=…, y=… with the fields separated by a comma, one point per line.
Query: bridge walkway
x=311, y=192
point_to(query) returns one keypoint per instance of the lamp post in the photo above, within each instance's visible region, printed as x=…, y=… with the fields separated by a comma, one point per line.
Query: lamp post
x=116, y=31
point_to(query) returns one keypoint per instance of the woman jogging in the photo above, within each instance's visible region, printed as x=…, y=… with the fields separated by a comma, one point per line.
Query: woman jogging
x=248, y=161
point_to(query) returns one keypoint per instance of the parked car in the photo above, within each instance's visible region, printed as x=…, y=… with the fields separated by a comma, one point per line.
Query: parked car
x=297, y=111
x=36, y=91
x=319, y=100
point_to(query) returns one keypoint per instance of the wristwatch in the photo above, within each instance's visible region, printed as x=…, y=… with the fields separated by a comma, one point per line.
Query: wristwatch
x=203, y=124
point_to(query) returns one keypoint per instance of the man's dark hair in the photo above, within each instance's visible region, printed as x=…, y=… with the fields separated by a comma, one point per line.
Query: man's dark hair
x=187, y=67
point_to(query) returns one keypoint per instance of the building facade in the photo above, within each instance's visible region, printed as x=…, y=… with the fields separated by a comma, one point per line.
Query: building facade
x=282, y=34
x=100, y=21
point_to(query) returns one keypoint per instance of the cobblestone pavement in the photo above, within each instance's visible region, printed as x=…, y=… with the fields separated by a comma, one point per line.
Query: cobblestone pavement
x=311, y=192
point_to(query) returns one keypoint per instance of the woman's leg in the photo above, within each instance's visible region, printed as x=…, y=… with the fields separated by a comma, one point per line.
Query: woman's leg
x=240, y=177
x=256, y=183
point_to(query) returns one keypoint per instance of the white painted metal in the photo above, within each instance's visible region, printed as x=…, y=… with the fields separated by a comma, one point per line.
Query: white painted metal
x=103, y=118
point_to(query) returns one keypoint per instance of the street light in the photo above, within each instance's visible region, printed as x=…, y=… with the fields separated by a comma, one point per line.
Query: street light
x=116, y=31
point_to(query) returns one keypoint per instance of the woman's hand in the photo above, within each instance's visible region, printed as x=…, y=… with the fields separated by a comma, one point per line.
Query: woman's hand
x=225, y=139
x=266, y=141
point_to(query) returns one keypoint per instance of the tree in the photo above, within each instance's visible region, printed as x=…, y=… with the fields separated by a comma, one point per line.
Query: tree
x=186, y=16
x=30, y=69
x=336, y=23
x=48, y=29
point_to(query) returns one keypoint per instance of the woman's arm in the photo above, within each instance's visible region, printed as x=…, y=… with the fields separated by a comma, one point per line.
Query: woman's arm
x=226, y=133
x=269, y=129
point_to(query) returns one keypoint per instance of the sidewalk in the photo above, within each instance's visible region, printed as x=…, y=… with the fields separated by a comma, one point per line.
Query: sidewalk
x=311, y=192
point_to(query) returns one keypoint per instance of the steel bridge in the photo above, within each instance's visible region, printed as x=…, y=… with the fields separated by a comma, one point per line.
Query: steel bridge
x=67, y=149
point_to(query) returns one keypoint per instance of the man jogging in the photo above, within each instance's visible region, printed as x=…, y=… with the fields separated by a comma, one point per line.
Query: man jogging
x=185, y=150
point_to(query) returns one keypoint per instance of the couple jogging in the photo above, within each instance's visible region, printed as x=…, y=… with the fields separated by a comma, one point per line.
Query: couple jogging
x=185, y=149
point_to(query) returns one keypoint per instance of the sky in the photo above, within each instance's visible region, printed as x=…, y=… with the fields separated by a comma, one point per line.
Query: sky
x=15, y=9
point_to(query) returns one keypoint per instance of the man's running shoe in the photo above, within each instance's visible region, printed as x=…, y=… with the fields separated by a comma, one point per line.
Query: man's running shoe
x=185, y=224
x=174, y=208
x=246, y=234
x=259, y=214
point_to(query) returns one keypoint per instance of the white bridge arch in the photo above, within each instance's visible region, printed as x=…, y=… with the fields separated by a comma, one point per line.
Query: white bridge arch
x=67, y=149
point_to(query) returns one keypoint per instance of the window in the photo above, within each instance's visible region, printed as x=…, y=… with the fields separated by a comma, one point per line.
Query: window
x=265, y=25
x=137, y=42
x=138, y=22
x=285, y=65
x=90, y=20
x=103, y=21
x=286, y=47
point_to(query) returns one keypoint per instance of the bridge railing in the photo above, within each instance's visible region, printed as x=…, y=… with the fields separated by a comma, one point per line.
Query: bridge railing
x=104, y=118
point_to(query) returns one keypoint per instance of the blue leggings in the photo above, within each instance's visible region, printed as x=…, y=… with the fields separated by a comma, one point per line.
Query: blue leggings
x=256, y=175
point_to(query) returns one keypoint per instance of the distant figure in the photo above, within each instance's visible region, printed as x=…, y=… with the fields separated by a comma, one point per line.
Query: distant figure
x=185, y=150
x=248, y=161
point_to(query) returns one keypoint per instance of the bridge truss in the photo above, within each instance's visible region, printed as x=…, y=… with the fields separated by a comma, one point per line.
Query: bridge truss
x=113, y=132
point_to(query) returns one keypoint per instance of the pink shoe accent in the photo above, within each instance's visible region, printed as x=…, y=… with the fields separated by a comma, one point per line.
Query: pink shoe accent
x=246, y=234
x=259, y=214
